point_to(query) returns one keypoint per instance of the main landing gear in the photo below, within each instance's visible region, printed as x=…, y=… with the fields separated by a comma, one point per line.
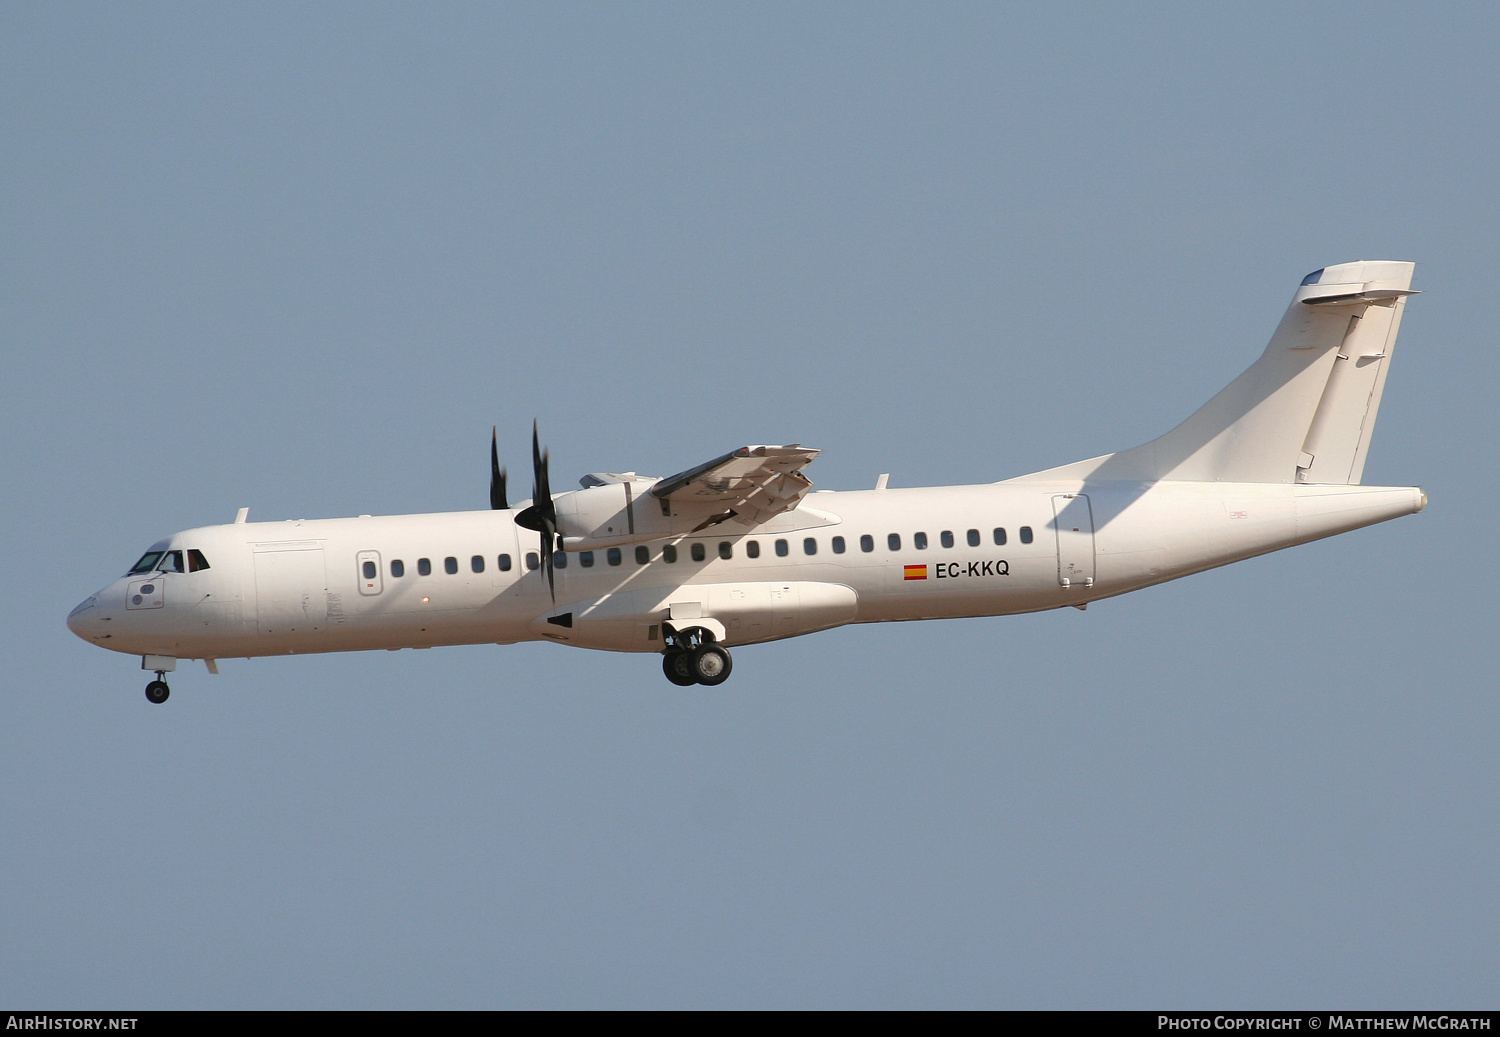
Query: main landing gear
x=691, y=657
x=157, y=691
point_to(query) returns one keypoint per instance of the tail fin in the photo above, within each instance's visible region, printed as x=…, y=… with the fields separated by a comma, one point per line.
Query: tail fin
x=1304, y=411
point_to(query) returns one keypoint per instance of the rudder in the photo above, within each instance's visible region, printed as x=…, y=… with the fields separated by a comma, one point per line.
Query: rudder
x=1338, y=438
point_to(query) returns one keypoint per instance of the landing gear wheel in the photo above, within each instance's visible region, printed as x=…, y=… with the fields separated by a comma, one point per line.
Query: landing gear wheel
x=157, y=692
x=710, y=664
x=679, y=672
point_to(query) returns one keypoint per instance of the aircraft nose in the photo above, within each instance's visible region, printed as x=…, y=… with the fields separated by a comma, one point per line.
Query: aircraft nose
x=82, y=619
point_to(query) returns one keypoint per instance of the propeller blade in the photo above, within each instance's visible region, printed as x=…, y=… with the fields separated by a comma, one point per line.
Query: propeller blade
x=545, y=511
x=497, y=474
x=548, y=565
x=541, y=485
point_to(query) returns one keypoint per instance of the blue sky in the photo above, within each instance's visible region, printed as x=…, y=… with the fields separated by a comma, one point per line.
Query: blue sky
x=301, y=257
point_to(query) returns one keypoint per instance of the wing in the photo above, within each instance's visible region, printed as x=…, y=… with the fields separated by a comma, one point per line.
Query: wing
x=753, y=482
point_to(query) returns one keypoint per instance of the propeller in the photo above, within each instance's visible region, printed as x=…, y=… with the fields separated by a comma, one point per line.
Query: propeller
x=497, y=474
x=542, y=515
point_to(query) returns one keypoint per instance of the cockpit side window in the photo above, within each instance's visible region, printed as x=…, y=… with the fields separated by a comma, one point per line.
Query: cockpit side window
x=171, y=562
x=196, y=560
x=147, y=564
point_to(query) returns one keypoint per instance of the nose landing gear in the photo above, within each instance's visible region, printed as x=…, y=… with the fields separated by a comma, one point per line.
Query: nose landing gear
x=157, y=691
x=691, y=657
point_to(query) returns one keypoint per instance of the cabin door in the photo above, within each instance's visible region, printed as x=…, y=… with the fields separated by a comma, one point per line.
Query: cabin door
x=371, y=580
x=1073, y=519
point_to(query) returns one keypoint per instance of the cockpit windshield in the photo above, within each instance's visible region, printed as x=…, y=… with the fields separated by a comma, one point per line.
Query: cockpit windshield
x=159, y=560
x=147, y=564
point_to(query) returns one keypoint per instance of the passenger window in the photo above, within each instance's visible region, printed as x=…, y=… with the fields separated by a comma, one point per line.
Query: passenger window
x=504, y=561
x=1025, y=534
x=424, y=567
x=368, y=568
x=946, y=537
x=1000, y=536
x=919, y=541
x=809, y=546
x=838, y=545
x=642, y=554
x=477, y=563
x=893, y=542
x=586, y=559
x=171, y=562
x=726, y=549
x=533, y=561
x=867, y=543
x=669, y=552
x=699, y=552
x=196, y=561
x=612, y=556
x=559, y=559
x=752, y=548
x=398, y=567
x=781, y=549
x=973, y=538
x=450, y=565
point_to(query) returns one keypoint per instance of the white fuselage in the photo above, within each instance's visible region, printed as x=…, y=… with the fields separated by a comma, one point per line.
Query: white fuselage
x=275, y=588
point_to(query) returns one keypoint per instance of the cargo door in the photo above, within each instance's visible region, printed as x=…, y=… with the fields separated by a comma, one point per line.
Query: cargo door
x=291, y=588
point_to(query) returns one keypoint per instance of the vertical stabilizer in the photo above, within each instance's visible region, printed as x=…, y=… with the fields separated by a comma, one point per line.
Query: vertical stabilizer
x=1304, y=411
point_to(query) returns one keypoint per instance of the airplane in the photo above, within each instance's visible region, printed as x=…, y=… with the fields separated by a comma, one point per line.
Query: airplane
x=738, y=550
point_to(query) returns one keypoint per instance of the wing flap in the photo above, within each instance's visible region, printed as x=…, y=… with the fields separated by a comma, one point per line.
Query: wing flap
x=755, y=482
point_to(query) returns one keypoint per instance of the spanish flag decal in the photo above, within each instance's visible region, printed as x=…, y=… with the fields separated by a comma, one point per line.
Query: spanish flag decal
x=916, y=572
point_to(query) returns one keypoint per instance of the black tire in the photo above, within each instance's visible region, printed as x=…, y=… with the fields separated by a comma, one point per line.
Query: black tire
x=711, y=665
x=157, y=692
x=676, y=666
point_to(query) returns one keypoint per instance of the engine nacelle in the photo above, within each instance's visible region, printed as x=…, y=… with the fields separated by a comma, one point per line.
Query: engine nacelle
x=619, y=513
